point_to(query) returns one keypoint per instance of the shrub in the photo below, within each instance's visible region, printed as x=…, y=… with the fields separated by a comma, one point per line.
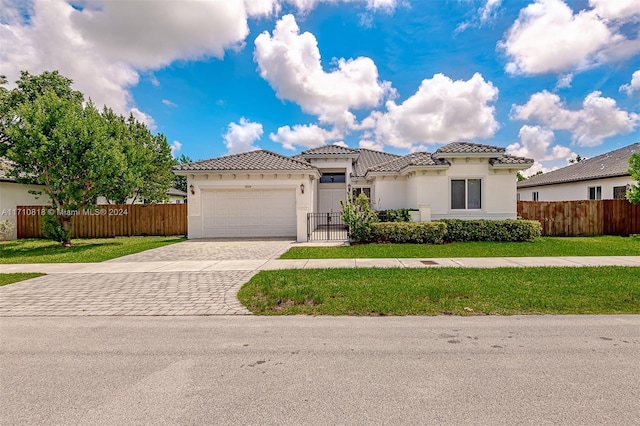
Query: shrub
x=6, y=228
x=399, y=215
x=410, y=232
x=358, y=216
x=53, y=228
x=459, y=230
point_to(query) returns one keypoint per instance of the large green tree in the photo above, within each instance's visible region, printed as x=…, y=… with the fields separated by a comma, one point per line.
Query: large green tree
x=56, y=139
x=633, y=194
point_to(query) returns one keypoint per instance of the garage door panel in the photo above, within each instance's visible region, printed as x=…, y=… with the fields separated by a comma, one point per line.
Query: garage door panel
x=249, y=213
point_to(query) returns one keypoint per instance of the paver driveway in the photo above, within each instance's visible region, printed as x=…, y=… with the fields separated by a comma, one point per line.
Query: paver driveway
x=207, y=292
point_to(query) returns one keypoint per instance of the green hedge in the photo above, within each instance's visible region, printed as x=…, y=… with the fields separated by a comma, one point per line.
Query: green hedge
x=409, y=232
x=398, y=215
x=491, y=230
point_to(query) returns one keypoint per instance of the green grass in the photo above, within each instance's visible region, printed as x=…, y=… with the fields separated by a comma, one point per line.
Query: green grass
x=542, y=246
x=444, y=291
x=81, y=250
x=14, y=278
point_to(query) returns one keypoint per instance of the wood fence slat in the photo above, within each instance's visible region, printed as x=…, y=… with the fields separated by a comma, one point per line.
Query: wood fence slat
x=112, y=220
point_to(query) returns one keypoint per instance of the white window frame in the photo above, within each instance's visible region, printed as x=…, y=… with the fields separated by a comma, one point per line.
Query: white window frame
x=624, y=188
x=535, y=196
x=597, y=192
x=466, y=180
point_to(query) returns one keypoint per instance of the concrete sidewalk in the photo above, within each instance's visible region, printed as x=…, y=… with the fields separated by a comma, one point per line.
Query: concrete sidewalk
x=274, y=264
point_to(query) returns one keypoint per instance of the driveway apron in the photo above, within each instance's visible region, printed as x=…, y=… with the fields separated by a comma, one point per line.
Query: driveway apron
x=157, y=293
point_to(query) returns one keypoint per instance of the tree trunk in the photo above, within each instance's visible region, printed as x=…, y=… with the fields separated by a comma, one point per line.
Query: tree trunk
x=66, y=225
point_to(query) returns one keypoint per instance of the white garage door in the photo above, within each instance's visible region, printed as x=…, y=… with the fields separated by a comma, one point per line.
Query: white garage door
x=249, y=213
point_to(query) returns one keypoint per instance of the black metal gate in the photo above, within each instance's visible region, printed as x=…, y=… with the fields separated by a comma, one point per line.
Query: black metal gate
x=325, y=227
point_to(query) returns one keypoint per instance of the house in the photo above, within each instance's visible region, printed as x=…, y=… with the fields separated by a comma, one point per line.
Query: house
x=264, y=194
x=603, y=177
x=14, y=194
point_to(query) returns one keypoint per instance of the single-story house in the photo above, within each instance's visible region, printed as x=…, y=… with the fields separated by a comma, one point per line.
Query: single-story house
x=604, y=177
x=175, y=196
x=265, y=194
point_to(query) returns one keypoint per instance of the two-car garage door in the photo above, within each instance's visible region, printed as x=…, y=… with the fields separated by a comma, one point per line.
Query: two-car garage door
x=229, y=213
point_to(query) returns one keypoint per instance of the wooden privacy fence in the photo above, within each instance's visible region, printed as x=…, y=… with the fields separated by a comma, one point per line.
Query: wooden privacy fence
x=113, y=220
x=570, y=218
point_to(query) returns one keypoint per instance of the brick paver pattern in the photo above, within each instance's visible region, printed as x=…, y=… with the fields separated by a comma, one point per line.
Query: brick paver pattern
x=147, y=294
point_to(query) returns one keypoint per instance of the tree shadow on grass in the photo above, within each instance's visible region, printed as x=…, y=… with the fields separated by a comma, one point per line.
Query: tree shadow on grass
x=36, y=249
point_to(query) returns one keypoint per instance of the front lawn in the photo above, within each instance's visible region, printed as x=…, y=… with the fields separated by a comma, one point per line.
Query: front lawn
x=542, y=246
x=81, y=250
x=444, y=291
x=14, y=278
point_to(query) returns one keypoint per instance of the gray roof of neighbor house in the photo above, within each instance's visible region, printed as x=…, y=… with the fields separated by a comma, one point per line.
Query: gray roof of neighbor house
x=510, y=159
x=253, y=160
x=413, y=159
x=176, y=192
x=610, y=164
x=469, y=148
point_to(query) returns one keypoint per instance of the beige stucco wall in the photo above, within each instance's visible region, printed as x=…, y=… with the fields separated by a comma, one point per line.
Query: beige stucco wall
x=432, y=188
x=15, y=194
x=573, y=190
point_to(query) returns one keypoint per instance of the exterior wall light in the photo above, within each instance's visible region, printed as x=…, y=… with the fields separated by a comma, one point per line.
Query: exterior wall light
x=349, y=188
x=192, y=188
x=302, y=188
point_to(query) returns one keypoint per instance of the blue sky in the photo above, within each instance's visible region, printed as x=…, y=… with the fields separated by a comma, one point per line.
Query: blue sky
x=548, y=79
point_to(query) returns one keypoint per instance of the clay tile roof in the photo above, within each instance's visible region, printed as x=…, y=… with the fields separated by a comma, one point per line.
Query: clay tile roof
x=253, y=160
x=467, y=147
x=413, y=159
x=369, y=158
x=329, y=149
x=511, y=159
x=610, y=164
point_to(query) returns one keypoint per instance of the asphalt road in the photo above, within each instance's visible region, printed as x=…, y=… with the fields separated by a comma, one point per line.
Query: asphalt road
x=301, y=370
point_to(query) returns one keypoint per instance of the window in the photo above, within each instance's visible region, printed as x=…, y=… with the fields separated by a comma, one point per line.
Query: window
x=619, y=192
x=535, y=196
x=365, y=191
x=332, y=178
x=595, y=193
x=466, y=194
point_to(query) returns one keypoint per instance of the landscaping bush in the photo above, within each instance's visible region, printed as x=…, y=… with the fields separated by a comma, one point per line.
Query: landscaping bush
x=358, y=216
x=6, y=228
x=459, y=230
x=398, y=215
x=409, y=232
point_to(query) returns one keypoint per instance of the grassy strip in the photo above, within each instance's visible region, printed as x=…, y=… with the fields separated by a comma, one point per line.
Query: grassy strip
x=444, y=291
x=542, y=246
x=81, y=250
x=14, y=278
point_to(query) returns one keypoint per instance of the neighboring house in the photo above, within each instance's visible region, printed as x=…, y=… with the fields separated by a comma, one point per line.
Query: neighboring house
x=13, y=194
x=175, y=196
x=264, y=194
x=603, y=177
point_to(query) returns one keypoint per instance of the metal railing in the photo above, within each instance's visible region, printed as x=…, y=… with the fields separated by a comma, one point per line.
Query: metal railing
x=325, y=227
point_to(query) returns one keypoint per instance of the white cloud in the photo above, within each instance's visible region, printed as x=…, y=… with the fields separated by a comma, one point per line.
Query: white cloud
x=307, y=136
x=537, y=167
x=240, y=137
x=442, y=110
x=175, y=147
x=341, y=143
x=598, y=119
x=616, y=9
x=485, y=15
x=564, y=81
x=549, y=37
x=167, y=102
x=290, y=62
x=633, y=85
x=535, y=143
x=144, y=118
x=369, y=144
